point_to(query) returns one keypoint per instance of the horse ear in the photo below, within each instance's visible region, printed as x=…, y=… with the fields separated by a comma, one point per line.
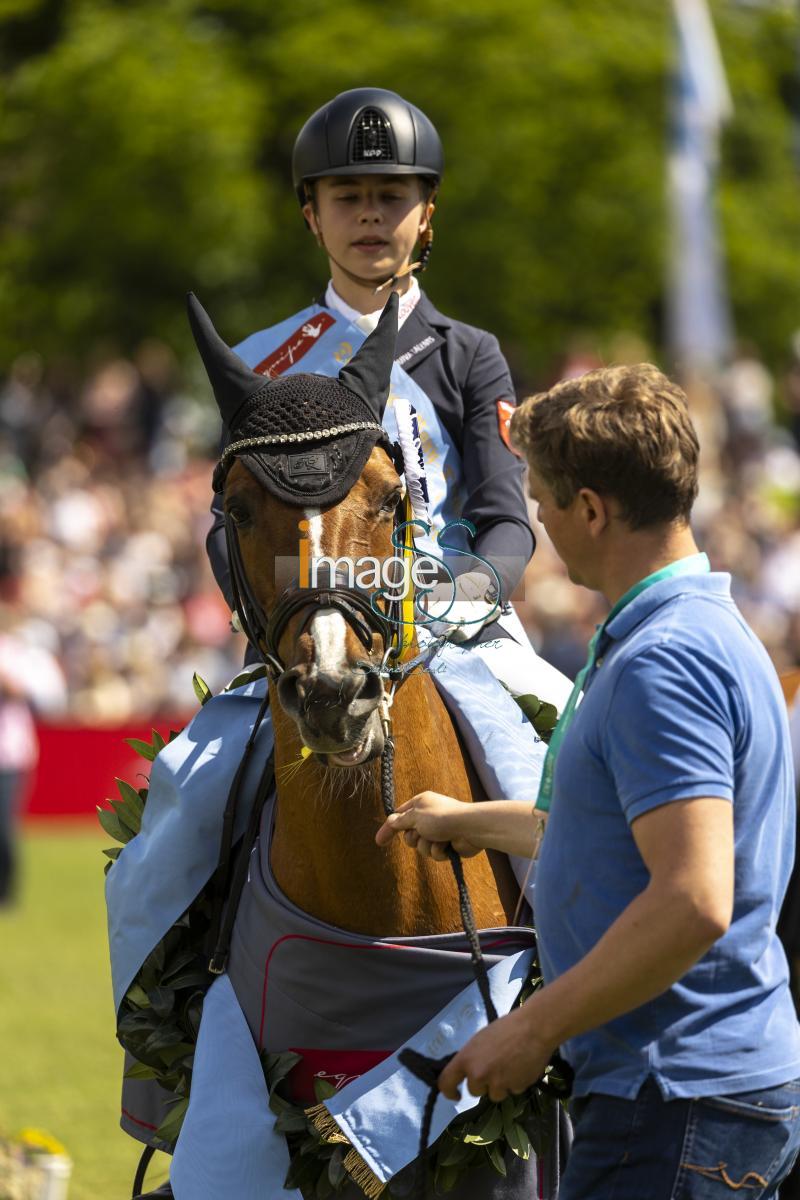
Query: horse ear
x=369, y=372
x=232, y=380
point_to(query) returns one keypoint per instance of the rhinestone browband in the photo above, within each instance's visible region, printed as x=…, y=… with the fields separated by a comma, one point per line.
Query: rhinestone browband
x=284, y=438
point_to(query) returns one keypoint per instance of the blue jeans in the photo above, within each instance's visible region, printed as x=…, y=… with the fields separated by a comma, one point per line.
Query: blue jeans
x=740, y=1146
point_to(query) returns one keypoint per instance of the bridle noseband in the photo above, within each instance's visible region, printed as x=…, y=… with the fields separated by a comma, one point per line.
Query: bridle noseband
x=264, y=632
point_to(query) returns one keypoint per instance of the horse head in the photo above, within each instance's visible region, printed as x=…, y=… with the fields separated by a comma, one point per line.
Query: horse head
x=311, y=485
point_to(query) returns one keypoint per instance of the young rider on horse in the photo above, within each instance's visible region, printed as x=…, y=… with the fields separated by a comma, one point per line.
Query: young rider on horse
x=366, y=169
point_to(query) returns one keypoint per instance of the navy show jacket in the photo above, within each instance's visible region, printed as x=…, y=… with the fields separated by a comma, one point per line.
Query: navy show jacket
x=463, y=372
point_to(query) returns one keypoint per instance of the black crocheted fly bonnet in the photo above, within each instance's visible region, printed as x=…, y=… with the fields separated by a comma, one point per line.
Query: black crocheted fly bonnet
x=304, y=437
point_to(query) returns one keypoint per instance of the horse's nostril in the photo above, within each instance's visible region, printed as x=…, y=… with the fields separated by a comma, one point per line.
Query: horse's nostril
x=335, y=705
x=371, y=688
x=292, y=690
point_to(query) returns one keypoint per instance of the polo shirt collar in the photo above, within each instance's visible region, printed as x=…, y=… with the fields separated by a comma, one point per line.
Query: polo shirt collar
x=717, y=584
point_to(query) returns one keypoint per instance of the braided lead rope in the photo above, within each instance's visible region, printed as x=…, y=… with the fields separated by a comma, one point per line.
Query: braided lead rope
x=141, y=1170
x=424, y=1068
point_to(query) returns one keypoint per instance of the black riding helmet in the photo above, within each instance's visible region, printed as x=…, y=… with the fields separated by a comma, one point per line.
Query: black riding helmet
x=369, y=131
x=366, y=131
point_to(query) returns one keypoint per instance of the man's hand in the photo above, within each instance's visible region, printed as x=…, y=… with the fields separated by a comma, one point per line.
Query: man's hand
x=506, y=1057
x=429, y=821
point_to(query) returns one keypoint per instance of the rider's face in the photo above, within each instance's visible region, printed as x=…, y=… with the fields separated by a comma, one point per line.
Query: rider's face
x=369, y=223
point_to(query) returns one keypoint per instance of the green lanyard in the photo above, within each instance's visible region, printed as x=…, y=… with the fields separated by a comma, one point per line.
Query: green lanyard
x=692, y=565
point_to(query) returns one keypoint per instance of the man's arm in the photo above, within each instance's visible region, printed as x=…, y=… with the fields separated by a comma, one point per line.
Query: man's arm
x=430, y=820
x=687, y=847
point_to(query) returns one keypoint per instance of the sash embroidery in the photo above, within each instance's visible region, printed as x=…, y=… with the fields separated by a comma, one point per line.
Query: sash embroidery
x=296, y=346
x=328, y=342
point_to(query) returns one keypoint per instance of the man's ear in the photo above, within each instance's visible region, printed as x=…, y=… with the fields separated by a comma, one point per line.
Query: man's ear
x=595, y=511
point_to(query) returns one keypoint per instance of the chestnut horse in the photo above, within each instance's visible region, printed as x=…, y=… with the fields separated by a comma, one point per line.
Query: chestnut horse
x=342, y=724
x=309, y=464
x=324, y=856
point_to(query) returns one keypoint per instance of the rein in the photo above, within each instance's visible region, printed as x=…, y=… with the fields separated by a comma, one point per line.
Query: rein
x=265, y=632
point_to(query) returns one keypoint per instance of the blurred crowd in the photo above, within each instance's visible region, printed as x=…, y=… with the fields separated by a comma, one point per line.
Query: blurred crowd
x=107, y=602
x=747, y=517
x=104, y=508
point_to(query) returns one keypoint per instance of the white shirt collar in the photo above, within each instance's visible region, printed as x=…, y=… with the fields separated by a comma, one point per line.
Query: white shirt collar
x=368, y=321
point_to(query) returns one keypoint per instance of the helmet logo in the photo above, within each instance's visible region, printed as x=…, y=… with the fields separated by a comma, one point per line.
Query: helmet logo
x=371, y=141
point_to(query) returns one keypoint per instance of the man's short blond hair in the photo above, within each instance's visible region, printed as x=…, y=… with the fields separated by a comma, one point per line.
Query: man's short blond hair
x=621, y=431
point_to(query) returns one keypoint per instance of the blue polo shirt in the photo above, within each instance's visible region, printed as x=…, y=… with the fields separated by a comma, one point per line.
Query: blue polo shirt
x=682, y=702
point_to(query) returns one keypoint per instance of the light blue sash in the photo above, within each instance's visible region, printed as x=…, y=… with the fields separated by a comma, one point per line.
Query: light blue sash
x=389, y=1097
x=228, y=1145
x=331, y=349
x=161, y=871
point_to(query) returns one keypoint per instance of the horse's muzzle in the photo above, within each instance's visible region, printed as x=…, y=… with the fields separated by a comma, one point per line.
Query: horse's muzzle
x=334, y=713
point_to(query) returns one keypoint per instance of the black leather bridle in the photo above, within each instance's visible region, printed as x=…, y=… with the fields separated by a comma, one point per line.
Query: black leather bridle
x=264, y=631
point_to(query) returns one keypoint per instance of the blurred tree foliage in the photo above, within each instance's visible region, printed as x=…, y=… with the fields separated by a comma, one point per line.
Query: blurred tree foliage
x=145, y=147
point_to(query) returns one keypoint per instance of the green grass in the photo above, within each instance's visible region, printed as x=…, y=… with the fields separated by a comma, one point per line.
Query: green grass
x=61, y=1064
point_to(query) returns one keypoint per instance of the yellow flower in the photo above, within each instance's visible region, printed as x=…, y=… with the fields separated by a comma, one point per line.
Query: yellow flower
x=39, y=1142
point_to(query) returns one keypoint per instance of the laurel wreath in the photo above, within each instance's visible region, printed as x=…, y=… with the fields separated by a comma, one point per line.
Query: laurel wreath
x=484, y=1136
x=159, y=1020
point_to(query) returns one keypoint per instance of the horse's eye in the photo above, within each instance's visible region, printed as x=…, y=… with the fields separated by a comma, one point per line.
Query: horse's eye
x=238, y=514
x=391, y=502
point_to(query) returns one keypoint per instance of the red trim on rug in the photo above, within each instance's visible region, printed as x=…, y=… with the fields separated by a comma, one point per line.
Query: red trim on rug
x=303, y=937
x=136, y=1121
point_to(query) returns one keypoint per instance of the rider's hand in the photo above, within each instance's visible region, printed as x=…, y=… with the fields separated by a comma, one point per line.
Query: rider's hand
x=428, y=822
x=462, y=607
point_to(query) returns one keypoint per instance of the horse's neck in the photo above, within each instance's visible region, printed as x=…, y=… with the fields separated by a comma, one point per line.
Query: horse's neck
x=324, y=856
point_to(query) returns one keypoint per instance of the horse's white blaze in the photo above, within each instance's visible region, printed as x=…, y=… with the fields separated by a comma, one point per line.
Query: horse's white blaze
x=328, y=628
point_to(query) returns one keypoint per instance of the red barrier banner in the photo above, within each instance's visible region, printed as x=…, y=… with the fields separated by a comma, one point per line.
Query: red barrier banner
x=78, y=765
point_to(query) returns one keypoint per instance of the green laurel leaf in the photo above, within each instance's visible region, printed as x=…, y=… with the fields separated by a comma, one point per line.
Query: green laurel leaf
x=323, y=1089
x=201, y=689
x=144, y=748
x=170, y=1127
x=495, y=1155
x=113, y=825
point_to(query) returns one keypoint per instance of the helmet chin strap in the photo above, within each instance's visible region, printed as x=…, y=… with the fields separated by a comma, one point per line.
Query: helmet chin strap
x=391, y=280
x=362, y=280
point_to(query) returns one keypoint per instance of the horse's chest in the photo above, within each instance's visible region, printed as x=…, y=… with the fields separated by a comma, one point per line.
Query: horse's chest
x=306, y=986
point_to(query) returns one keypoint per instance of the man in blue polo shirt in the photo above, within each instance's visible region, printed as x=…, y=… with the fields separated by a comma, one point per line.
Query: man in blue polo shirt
x=670, y=799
